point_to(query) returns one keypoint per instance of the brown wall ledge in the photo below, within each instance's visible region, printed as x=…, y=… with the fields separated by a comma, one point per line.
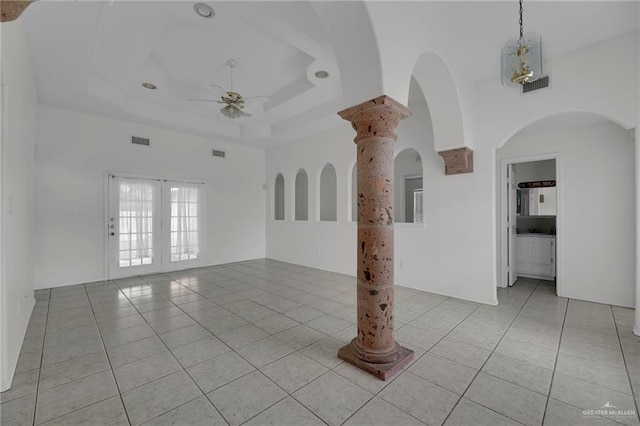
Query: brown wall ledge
x=456, y=161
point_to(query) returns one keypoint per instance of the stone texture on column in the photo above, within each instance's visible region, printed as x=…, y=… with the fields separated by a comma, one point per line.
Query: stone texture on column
x=374, y=349
x=459, y=160
x=12, y=9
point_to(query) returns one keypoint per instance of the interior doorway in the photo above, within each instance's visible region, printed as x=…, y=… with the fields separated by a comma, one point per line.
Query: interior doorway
x=529, y=219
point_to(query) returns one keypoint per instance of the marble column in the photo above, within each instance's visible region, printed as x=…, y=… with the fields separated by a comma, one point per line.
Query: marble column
x=374, y=349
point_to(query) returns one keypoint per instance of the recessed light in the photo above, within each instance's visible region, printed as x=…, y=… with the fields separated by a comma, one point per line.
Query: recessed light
x=321, y=74
x=204, y=10
x=149, y=86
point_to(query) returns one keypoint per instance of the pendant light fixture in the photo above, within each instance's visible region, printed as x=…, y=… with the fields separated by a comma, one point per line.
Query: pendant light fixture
x=522, y=58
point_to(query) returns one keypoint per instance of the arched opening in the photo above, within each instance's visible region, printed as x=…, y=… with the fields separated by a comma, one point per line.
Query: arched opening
x=595, y=208
x=441, y=93
x=408, y=187
x=278, y=198
x=302, y=196
x=328, y=194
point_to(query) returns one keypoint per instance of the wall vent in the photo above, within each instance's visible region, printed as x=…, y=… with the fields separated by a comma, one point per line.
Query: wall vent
x=139, y=141
x=220, y=154
x=540, y=83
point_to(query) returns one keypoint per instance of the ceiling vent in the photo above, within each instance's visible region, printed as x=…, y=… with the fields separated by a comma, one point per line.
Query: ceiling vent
x=540, y=83
x=139, y=141
x=220, y=154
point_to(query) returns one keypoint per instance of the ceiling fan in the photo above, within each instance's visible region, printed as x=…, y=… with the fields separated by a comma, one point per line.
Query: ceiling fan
x=235, y=105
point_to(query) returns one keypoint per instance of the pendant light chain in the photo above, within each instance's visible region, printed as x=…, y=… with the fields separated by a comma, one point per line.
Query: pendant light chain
x=521, y=20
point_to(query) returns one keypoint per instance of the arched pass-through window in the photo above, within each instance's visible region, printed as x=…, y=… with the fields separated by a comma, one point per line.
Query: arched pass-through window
x=278, y=198
x=408, y=187
x=302, y=196
x=328, y=194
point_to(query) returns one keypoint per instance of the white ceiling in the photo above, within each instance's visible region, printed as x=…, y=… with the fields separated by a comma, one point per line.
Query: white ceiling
x=93, y=56
x=473, y=32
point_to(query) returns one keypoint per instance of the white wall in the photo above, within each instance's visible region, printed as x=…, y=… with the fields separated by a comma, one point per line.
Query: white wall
x=596, y=215
x=19, y=119
x=436, y=256
x=75, y=150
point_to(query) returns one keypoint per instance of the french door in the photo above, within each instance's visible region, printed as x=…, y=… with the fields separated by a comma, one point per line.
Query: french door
x=154, y=225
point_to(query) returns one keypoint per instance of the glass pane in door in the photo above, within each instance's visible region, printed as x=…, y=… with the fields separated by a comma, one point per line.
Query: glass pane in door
x=135, y=217
x=184, y=232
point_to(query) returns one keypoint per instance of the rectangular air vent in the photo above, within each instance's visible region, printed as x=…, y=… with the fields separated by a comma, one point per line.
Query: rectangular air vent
x=139, y=141
x=540, y=83
x=217, y=153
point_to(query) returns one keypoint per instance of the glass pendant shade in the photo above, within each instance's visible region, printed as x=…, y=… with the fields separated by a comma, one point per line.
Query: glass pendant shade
x=231, y=112
x=522, y=60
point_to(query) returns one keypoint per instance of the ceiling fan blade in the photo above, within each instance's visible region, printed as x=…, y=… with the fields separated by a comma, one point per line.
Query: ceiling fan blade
x=204, y=100
x=221, y=91
x=256, y=99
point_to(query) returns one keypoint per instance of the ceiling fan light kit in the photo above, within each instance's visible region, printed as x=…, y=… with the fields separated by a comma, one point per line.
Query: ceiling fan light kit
x=522, y=58
x=234, y=102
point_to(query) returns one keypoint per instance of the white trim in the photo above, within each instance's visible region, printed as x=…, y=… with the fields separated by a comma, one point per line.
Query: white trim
x=559, y=216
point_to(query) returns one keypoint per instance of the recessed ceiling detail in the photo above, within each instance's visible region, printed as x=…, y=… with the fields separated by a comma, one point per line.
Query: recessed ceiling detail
x=149, y=86
x=93, y=56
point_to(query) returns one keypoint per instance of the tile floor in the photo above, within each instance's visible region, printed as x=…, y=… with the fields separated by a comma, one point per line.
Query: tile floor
x=255, y=343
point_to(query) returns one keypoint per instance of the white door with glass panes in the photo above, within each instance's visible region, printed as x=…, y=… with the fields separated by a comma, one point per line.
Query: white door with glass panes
x=153, y=226
x=181, y=239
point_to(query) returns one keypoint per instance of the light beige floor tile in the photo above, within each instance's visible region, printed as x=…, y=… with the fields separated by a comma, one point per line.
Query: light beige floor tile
x=421, y=399
x=379, y=412
x=513, y=401
x=469, y=413
x=293, y=371
x=561, y=414
x=216, y=372
x=264, y=351
x=443, y=372
x=287, y=412
x=242, y=399
x=109, y=412
x=19, y=411
x=197, y=352
x=461, y=352
x=142, y=371
x=299, y=337
x=124, y=354
x=519, y=372
x=333, y=398
x=155, y=398
x=72, y=396
x=199, y=412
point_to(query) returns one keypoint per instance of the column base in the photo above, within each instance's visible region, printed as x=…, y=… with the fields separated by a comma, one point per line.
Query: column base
x=381, y=371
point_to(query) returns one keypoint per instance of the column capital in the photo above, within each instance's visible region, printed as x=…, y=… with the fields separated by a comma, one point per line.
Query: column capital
x=12, y=9
x=377, y=117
